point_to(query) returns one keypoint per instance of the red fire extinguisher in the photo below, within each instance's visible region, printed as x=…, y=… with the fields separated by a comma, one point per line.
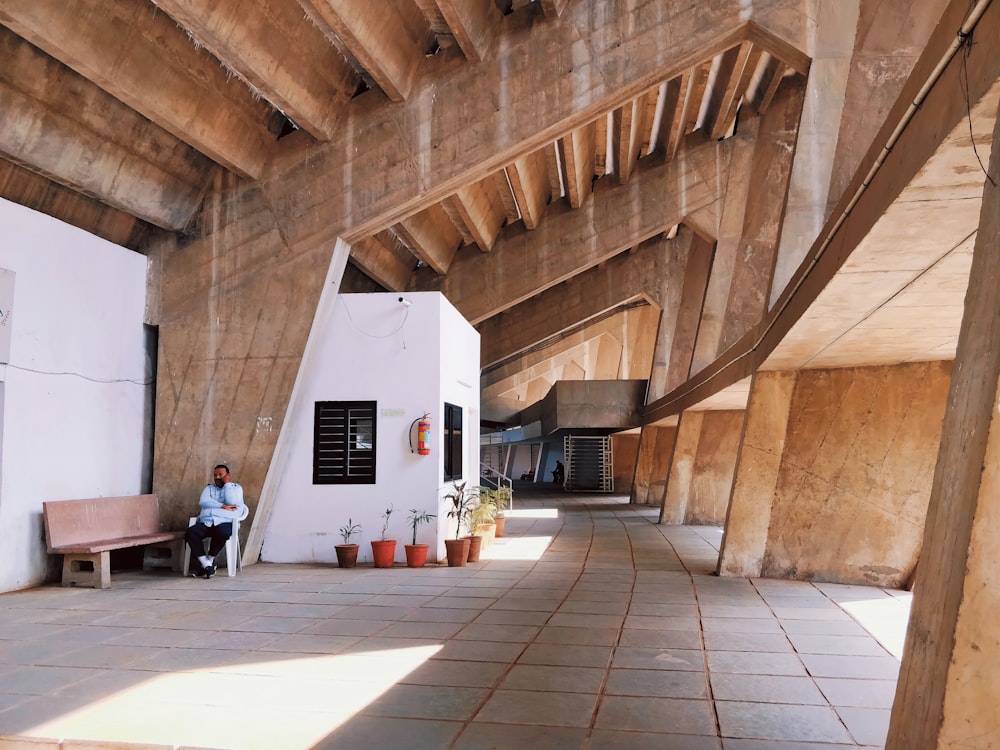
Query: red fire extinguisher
x=423, y=436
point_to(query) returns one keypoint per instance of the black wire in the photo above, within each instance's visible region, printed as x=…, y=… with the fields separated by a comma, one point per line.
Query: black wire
x=964, y=80
x=84, y=377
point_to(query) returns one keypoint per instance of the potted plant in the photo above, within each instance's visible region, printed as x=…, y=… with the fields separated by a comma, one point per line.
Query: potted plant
x=416, y=554
x=501, y=500
x=384, y=550
x=347, y=553
x=482, y=519
x=458, y=501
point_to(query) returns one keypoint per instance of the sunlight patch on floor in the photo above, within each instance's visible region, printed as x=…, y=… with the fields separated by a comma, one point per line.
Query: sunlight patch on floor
x=518, y=548
x=297, y=702
x=533, y=513
x=884, y=618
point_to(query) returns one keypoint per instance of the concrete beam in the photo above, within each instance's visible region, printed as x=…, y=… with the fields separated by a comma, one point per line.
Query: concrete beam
x=387, y=163
x=42, y=194
x=474, y=25
x=389, y=40
x=102, y=149
x=523, y=264
x=161, y=74
x=289, y=63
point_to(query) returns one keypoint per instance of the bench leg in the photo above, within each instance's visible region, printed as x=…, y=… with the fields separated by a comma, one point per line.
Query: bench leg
x=90, y=571
x=164, y=555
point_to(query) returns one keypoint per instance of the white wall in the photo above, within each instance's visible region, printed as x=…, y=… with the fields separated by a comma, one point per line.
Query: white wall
x=410, y=360
x=77, y=313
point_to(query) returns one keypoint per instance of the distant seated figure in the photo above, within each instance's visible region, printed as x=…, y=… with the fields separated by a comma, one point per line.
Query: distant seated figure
x=220, y=502
x=529, y=475
x=559, y=473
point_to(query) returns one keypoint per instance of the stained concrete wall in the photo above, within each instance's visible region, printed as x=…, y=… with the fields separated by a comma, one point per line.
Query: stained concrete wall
x=701, y=471
x=851, y=488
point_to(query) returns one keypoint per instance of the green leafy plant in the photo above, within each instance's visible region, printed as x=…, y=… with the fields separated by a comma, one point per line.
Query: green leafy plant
x=348, y=530
x=418, y=517
x=460, y=500
x=501, y=499
x=385, y=521
x=485, y=511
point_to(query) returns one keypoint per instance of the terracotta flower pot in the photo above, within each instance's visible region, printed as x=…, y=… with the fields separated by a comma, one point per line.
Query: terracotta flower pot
x=501, y=522
x=458, y=551
x=488, y=532
x=475, y=547
x=383, y=552
x=347, y=555
x=416, y=555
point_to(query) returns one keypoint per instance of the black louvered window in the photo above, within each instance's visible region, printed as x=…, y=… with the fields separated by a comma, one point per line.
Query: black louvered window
x=452, y=442
x=344, y=442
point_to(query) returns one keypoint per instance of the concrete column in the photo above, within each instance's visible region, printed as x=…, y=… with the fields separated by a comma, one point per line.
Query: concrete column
x=701, y=471
x=624, y=452
x=656, y=446
x=745, y=540
x=950, y=677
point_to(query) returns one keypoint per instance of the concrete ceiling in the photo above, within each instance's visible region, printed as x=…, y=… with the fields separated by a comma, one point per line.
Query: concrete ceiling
x=119, y=116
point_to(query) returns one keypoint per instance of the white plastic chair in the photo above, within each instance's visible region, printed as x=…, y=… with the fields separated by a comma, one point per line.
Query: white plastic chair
x=234, y=558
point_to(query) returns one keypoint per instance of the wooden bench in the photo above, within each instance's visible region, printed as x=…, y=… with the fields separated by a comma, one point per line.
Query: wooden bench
x=85, y=532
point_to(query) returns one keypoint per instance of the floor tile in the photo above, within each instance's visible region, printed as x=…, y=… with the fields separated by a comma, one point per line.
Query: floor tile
x=608, y=739
x=481, y=632
x=656, y=715
x=483, y=674
x=481, y=735
x=550, y=678
x=686, y=639
x=842, y=645
x=740, y=625
x=859, y=667
x=860, y=693
x=428, y=702
x=766, y=689
x=558, y=654
x=545, y=708
x=780, y=722
x=736, y=662
x=372, y=731
x=688, y=660
x=577, y=636
x=657, y=683
x=868, y=726
x=772, y=642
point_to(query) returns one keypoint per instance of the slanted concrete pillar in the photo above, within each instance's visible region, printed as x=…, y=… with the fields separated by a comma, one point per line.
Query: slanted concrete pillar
x=950, y=677
x=758, y=466
x=656, y=446
x=701, y=471
x=834, y=473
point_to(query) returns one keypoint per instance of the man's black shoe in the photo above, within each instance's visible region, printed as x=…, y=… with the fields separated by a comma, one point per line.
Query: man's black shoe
x=209, y=571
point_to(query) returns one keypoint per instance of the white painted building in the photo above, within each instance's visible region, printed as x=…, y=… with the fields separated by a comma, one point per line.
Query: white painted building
x=75, y=407
x=410, y=360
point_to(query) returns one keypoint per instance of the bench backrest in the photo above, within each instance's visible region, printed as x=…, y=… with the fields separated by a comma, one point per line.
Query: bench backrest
x=81, y=521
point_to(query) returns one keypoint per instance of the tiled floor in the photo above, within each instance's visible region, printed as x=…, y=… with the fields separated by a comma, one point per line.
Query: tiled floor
x=588, y=626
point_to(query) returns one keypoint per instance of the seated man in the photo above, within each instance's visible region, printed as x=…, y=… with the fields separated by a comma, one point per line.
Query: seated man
x=220, y=503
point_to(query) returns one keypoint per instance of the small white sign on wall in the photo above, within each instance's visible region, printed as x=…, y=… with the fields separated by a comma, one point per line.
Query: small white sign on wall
x=6, y=312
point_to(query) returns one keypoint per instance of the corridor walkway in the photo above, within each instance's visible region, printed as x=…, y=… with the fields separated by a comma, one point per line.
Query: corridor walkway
x=588, y=626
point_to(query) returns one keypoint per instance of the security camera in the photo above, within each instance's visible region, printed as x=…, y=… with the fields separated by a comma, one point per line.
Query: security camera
x=405, y=301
